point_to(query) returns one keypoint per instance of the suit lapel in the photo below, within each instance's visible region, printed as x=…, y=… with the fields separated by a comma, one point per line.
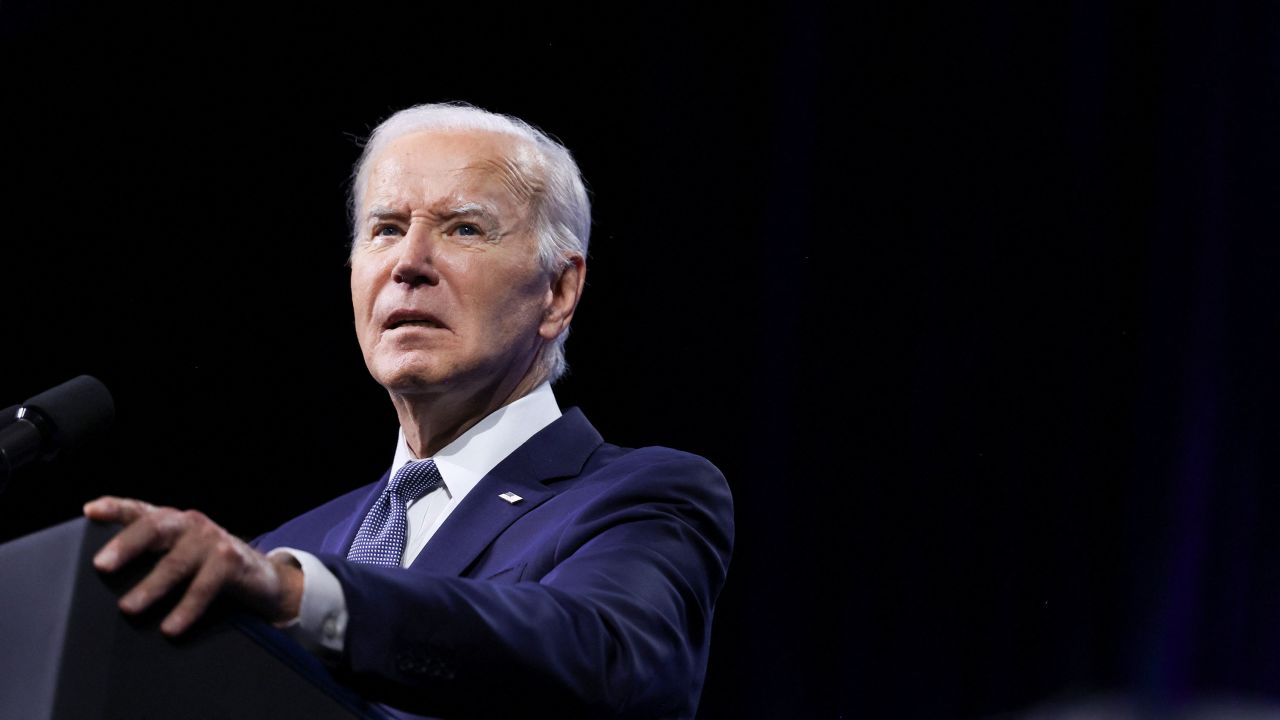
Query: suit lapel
x=338, y=540
x=558, y=450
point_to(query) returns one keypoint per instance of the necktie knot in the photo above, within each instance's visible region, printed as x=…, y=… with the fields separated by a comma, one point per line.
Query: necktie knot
x=413, y=480
x=381, y=537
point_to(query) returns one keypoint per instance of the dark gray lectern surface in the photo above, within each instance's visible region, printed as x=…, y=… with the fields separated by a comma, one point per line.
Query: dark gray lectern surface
x=67, y=652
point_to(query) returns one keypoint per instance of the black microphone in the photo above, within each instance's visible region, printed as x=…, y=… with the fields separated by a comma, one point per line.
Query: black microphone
x=61, y=417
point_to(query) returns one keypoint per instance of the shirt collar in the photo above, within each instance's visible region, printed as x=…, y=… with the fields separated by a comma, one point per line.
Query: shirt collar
x=463, y=462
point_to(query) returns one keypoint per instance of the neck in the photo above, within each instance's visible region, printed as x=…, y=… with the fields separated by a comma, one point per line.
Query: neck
x=433, y=420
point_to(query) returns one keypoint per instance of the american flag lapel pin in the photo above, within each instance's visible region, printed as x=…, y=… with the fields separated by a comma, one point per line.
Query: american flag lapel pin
x=511, y=497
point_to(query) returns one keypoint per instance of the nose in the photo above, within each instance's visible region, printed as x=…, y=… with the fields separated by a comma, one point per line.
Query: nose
x=415, y=264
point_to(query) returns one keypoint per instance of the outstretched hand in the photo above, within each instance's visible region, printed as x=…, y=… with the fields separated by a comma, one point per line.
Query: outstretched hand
x=197, y=549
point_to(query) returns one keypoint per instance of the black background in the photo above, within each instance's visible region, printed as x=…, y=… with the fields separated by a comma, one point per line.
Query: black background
x=974, y=305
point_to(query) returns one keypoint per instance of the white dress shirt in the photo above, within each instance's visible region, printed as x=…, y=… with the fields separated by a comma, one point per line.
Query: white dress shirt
x=322, y=620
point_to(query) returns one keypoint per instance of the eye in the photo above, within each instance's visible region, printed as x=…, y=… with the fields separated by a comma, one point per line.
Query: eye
x=467, y=230
x=385, y=231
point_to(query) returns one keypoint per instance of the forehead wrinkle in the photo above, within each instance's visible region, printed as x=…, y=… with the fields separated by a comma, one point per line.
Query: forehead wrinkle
x=395, y=193
x=522, y=185
x=461, y=202
x=513, y=207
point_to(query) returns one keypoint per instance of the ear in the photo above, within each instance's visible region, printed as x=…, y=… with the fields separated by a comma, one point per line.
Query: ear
x=562, y=297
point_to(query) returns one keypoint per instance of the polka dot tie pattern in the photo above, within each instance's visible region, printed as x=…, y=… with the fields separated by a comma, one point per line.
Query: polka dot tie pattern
x=380, y=540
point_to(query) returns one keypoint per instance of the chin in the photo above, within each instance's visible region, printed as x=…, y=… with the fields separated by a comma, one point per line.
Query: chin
x=408, y=376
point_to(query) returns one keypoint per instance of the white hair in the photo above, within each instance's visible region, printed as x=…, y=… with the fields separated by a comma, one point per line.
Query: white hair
x=561, y=209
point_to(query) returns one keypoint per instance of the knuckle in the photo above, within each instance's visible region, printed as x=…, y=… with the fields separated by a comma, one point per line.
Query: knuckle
x=161, y=518
x=138, y=509
x=226, y=550
x=194, y=518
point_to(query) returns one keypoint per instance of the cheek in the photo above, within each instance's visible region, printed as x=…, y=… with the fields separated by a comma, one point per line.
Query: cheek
x=364, y=283
x=502, y=289
x=363, y=295
x=518, y=307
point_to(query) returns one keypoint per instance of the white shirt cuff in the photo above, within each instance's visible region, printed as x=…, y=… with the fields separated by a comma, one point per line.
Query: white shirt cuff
x=321, y=625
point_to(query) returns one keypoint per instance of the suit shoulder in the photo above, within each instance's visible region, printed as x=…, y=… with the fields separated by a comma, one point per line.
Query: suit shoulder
x=655, y=470
x=655, y=484
x=622, y=459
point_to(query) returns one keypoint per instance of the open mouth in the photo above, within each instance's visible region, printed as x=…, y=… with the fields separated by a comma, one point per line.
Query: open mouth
x=411, y=318
x=413, y=323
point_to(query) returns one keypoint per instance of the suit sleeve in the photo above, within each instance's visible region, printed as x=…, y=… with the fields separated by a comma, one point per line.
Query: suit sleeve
x=619, y=626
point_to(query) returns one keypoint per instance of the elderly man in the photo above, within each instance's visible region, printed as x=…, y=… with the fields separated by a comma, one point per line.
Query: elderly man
x=510, y=561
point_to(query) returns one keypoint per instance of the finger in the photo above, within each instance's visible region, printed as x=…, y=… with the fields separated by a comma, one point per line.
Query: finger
x=208, y=583
x=157, y=529
x=114, y=509
x=174, y=568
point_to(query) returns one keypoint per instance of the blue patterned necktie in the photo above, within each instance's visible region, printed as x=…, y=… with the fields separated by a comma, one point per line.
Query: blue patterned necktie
x=380, y=540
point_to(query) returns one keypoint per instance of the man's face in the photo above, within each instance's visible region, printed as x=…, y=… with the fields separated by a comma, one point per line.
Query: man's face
x=445, y=280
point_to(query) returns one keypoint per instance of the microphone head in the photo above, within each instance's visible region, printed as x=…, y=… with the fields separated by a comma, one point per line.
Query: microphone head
x=77, y=409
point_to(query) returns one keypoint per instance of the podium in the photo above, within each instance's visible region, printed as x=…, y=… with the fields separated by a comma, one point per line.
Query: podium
x=66, y=650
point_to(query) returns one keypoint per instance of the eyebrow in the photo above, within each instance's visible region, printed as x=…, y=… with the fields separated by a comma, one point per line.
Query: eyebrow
x=381, y=212
x=469, y=209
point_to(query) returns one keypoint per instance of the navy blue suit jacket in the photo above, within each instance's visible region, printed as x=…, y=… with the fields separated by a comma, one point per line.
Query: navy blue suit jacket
x=591, y=596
